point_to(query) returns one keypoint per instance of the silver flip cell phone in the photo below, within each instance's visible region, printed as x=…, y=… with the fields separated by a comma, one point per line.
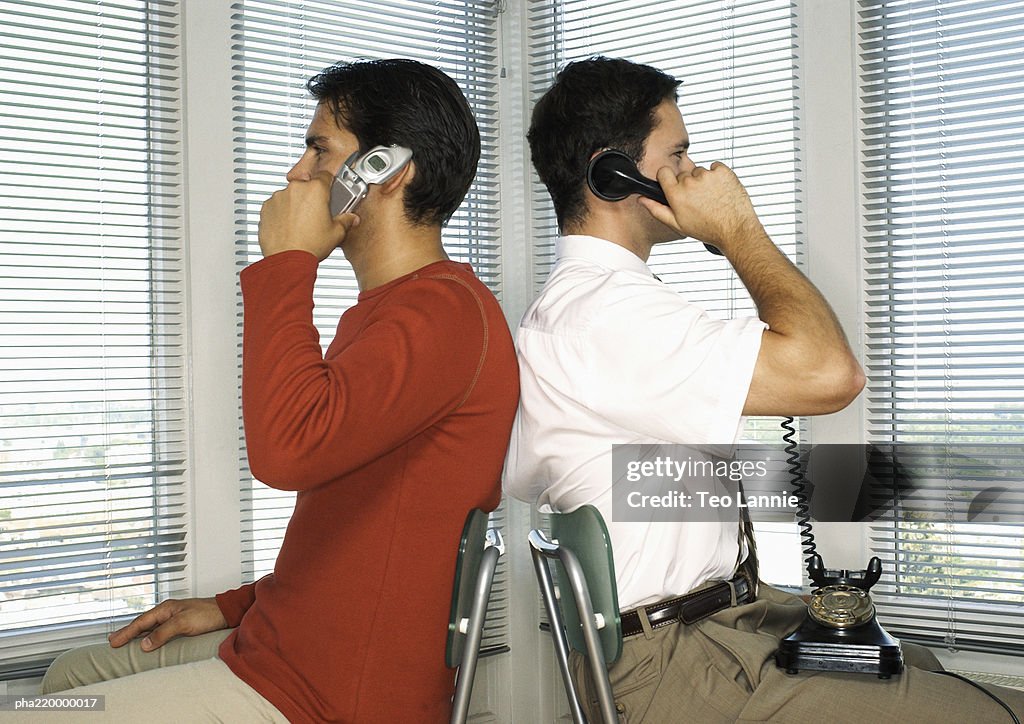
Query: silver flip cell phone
x=375, y=166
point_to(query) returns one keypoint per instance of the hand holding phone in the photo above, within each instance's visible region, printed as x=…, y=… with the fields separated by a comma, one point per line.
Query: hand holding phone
x=613, y=176
x=298, y=217
x=709, y=204
x=295, y=218
x=376, y=166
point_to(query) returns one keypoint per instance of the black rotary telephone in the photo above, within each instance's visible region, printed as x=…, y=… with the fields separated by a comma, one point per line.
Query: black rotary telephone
x=612, y=176
x=840, y=631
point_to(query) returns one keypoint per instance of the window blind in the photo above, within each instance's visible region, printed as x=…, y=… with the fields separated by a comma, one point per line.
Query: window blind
x=278, y=45
x=942, y=92
x=93, y=510
x=737, y=61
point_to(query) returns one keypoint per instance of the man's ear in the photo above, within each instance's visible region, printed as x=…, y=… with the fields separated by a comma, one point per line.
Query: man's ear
x=588, y=194
x=399, y=180
x=590, y=160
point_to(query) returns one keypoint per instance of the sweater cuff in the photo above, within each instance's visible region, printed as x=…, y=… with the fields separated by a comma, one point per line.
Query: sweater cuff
x=234, y=603
x=303, y=259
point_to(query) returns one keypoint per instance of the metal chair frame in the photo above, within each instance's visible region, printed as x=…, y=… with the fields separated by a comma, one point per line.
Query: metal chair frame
x=544, y=549
x=465, y=632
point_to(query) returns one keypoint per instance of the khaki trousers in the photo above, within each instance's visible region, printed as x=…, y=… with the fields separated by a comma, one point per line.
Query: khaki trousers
x=722, y=669
x=182, y=681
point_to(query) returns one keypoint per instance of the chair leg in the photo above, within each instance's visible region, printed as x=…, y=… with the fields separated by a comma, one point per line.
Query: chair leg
x=596, y=657
x=471, y=651
x=557, y=633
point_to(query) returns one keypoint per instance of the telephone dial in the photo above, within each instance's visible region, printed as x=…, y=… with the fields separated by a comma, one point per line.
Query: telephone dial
x=612, y=176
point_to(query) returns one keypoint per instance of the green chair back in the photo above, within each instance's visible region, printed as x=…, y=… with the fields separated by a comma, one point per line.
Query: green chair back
x=584, y=533
x=467, y=566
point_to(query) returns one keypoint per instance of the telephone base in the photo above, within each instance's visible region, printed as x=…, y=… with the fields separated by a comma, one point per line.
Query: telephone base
x=865, y=649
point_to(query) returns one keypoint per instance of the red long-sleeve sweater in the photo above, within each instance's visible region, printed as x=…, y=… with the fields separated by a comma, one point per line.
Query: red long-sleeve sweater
x=389, y=439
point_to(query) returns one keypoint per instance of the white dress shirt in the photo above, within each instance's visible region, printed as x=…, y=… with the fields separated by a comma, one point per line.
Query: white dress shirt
x=610, y=355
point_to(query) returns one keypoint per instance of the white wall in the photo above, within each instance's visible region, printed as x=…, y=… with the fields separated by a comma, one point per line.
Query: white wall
x=210, y=253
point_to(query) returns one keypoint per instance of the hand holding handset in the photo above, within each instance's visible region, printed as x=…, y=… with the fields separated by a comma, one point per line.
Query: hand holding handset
x=612, y=176
x=376, y=166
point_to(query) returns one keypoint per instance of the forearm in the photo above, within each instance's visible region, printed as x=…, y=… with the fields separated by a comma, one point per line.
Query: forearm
x=786, y=299
x=282, y=364
x=806, y=360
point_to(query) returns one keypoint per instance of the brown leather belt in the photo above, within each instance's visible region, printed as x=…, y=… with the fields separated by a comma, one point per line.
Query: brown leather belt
x=689, y=608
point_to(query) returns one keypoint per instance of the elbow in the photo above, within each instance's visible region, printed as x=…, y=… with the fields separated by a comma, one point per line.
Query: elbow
x=805, y=379
x=842, y=383
x=269, y=472
x=857, y=381
x=283, y=454
x=267, y=463
x=279, y=470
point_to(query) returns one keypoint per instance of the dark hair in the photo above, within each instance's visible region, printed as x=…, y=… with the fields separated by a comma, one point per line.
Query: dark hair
x=595, y=103
x=405, y=102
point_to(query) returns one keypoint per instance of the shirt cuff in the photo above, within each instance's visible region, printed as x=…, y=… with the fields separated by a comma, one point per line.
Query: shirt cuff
x=267, y=263
x=234, y=603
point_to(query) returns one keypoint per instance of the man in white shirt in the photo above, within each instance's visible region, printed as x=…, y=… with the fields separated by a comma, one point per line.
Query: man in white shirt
x=610, y=356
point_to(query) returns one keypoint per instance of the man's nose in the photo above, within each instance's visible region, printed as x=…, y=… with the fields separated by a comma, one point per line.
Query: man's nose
x=301, y=171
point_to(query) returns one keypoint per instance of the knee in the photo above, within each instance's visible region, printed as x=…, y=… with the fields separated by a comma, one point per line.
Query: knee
x=71, y=669
x=920, y=657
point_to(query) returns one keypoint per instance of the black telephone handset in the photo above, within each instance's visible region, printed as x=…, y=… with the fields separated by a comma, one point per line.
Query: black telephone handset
x=840, y=631
x=612, y=176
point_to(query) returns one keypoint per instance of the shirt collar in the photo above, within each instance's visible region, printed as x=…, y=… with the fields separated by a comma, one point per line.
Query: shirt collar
x=600, y=251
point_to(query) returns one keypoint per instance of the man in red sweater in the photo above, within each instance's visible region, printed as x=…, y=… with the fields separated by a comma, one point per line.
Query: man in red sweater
x=389, y=439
